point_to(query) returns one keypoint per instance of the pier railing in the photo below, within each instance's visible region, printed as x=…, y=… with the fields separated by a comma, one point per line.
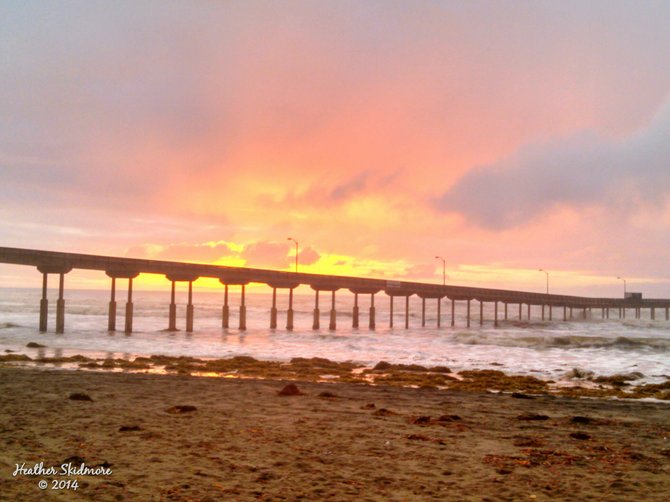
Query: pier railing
x=58, y=263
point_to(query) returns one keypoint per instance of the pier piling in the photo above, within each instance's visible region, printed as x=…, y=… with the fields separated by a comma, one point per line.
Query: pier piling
x=129, y=308
x=273, y=310
x=225, y=311
x=439, y=312
x=189, y=308
x=111, y=314
x=44, y=305
x=423, y=312
x=333, y=313
x=317, y=315
x=407, y=312
x=243, y=311
x=354, y=314
x=372, y=323
x=60, y=305
x=289, y=312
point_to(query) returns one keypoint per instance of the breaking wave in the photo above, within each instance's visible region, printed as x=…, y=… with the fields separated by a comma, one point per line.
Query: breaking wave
x=563, y=341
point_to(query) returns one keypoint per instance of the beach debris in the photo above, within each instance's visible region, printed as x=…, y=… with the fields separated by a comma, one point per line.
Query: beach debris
x=448, y=418
x=532, y=416
x=619, y=380
x=383, y=412
x=327, y=394
x=422, y=420
x=33, y=345
x=581, y=420
x=369, y=406
x=290, y=390
x=520, y=395
x=421, y=437
x=579, y=374
x=80, y=396
x=75, y=459
x=14, y=357
x=181, y=408
x=528, y=442
x=130, y=428
x=382, y=365
x=582, y=436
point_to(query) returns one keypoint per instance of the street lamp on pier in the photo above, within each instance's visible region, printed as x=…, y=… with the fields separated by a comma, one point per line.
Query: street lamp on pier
x=624, y=285
x=444, y=270
x=296, y=252
x=542, y=270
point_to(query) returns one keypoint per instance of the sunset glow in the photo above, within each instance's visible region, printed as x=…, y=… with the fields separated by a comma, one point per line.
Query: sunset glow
x=378, y=134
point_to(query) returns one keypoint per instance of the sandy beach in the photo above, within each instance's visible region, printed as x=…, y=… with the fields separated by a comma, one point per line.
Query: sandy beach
x=171, y=437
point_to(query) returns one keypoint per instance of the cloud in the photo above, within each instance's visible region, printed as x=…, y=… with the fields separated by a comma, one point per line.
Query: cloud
x=201, y=253
x=308, y=256
x=267, y=254
x=579, y=171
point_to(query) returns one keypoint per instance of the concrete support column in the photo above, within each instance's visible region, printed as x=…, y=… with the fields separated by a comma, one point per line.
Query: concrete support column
x=468, y=314
x=172, y=319
x=354, y=315
x=333, y=313
x=481, y=313
x=423, y=312
x=551, y=312
x=505, y=310
x=439, y=312
x=225, y=311
x=520, y=308
x=570, y=312
x=60, y=305
x=316, y=321
x=607, y=313
x=529, y=311
x=584, y=313
x=44, y=305
x=189, y=309
x=243, y=311
x=273, y=310
x=453, y=312
x=372, y=323
x=407, y=312
x=289, y=312
x=129, y=308
x=111, y=315
x=391, y=312
x=565, y=313
x=495, y=315
x=667, y=314
x=653, y=314
x=543, y=311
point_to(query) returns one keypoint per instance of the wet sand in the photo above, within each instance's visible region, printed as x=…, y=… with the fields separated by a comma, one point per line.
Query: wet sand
x=343, y=441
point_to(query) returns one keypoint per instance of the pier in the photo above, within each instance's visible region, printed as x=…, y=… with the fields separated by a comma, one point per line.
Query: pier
x=59, y=264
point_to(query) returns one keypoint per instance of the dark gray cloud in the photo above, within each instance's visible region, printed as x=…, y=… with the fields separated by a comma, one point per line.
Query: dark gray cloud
x=579, y=171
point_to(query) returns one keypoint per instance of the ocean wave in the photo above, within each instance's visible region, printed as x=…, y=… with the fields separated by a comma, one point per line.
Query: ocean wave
x=563, y=341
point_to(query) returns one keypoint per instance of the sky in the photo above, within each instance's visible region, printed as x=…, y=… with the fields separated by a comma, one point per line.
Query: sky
x=503, y=136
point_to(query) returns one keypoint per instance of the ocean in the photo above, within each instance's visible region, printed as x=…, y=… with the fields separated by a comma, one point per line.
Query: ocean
x=545, y=349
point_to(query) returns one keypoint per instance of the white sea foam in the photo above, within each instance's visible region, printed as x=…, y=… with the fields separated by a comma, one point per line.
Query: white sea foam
x=543, y=348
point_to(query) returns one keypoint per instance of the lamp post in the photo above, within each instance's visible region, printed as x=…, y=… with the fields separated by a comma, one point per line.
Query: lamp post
x=444, y=270
x=296, y=252
x=624, y=285
x=542, y=270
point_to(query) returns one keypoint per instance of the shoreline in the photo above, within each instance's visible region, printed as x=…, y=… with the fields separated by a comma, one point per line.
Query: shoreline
x=576, y=383
x=178, y=437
